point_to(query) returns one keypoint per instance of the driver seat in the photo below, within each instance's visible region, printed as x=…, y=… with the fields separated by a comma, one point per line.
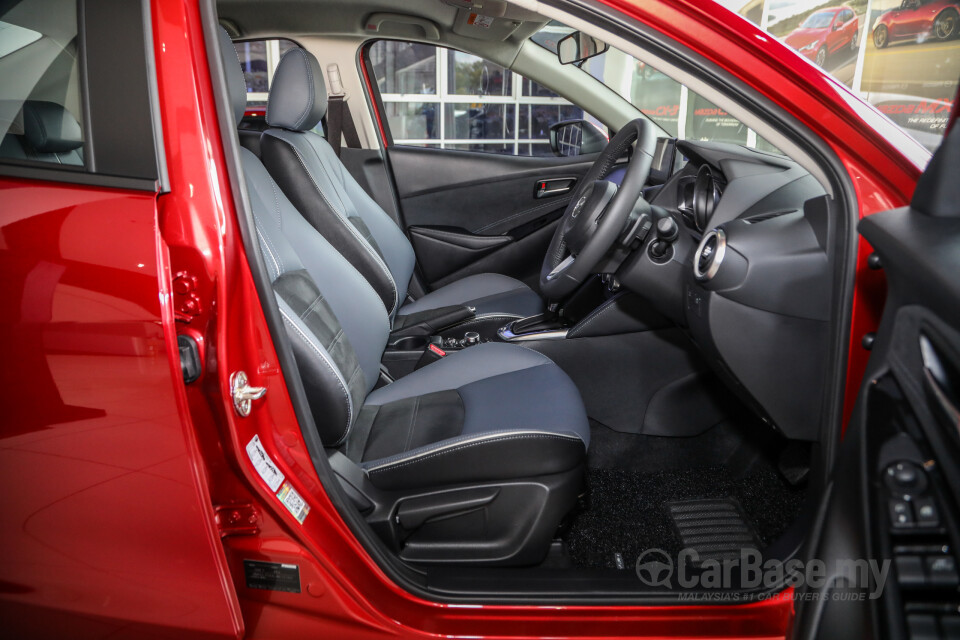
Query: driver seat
x=317, y=183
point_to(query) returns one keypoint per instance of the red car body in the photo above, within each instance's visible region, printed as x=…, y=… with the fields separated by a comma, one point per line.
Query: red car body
x=835, y=34
x=916, y=19
x=130, y=504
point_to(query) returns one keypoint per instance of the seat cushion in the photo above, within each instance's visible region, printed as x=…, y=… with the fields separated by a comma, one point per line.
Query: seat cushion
x=486, y=292
x=490, y=412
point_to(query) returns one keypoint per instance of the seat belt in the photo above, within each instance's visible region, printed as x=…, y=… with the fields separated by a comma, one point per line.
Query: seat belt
x=340, y=124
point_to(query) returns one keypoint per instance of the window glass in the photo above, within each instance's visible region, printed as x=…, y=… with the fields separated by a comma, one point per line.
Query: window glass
x=441, y=98
x=470, y=75
x=413, y=120
x=679, y=112
x=259, y=59
x=902, y=56
x=40, y=106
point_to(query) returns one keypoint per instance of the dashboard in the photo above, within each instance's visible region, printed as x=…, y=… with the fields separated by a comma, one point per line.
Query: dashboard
x=748, y=276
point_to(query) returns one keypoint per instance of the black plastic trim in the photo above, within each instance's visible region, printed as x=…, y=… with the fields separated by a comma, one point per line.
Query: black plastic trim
x=845, y=240
x=63, y=174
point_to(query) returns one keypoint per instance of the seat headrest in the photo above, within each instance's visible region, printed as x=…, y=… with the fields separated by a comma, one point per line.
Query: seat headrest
x=298, y=96
x=236, y=85
x=50, y=128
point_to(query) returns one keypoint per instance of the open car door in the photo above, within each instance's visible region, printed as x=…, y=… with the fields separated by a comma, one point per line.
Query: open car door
x=887, y=537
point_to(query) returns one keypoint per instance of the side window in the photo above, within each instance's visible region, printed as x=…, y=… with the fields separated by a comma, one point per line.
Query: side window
x=40, y=97
x=259, y=59
x=447, y=99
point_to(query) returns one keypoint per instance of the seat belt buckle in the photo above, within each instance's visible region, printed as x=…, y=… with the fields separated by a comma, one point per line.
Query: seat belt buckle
x=432, y=353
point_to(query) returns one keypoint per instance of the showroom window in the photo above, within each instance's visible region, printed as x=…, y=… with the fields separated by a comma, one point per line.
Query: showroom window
x=447, y=99
x=902, y=56
x=259, y=59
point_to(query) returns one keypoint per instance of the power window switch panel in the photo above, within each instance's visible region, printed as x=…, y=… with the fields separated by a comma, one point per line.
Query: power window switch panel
x=942, y=571
x=910, y=571
x=922, y=627
x=926, y=512
x=901, y=515
x=950, y=627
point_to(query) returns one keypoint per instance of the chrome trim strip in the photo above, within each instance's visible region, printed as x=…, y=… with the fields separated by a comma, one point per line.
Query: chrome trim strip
x=508, y=335
x=717, y=257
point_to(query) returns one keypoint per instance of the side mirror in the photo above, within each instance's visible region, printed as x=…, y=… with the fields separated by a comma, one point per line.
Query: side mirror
x=578, y=46
x=576, y=138
x=837, y=25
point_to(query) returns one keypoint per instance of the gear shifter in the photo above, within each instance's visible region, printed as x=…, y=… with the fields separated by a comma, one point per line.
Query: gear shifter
x=546, y=321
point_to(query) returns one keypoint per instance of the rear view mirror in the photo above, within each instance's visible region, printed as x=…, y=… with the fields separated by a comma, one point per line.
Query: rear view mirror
x=578, y=46
x=575, y=138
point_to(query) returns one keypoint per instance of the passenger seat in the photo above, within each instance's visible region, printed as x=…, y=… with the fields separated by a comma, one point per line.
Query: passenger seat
x=310, y=174
x=471, y=459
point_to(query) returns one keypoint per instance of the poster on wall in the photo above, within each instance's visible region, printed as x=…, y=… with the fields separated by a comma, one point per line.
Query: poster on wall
x=902, y=56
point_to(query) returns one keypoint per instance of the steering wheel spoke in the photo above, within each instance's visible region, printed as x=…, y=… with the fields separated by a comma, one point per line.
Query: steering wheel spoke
x=596, y=215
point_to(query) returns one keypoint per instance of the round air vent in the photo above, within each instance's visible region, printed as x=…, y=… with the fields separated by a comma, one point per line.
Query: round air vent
x=709, y=255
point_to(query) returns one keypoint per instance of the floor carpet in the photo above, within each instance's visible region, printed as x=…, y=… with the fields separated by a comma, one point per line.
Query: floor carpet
x=632, y=479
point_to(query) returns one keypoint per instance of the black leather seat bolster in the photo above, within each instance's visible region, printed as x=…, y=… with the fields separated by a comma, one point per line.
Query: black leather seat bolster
x=484, y=457
x=288, y=168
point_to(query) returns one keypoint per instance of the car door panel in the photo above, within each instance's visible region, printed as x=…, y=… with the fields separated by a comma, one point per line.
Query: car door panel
x=893, y=497
x=455, y=202
x=443, y=250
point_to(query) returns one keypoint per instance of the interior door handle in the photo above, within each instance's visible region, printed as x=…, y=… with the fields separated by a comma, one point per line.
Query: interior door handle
x=548, y=187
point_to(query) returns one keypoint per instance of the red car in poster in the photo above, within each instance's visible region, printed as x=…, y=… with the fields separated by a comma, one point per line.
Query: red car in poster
x=825, y=32
x=918, y=20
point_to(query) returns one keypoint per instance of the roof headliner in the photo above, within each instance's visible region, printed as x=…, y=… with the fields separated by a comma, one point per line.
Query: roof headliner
x=299, y=18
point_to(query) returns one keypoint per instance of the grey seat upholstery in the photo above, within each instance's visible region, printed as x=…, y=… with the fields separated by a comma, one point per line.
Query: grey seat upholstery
x=311, y=175
x=42, y=131
x=493, y=413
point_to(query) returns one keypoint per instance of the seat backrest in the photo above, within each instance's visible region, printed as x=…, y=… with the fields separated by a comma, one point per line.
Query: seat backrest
x=336, y=321
x=42, y=131
x=313, y=177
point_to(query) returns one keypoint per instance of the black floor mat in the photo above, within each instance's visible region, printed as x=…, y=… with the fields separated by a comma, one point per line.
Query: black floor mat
x=633, y=479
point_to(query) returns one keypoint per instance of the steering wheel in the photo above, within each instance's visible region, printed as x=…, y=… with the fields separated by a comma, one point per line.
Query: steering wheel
x=598, y=212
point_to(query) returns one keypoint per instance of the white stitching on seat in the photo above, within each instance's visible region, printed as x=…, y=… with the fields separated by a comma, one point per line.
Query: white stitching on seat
x=333, y=369
x=309, y=105
x=499, y=437
x=276, y=264
x=363, y=242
